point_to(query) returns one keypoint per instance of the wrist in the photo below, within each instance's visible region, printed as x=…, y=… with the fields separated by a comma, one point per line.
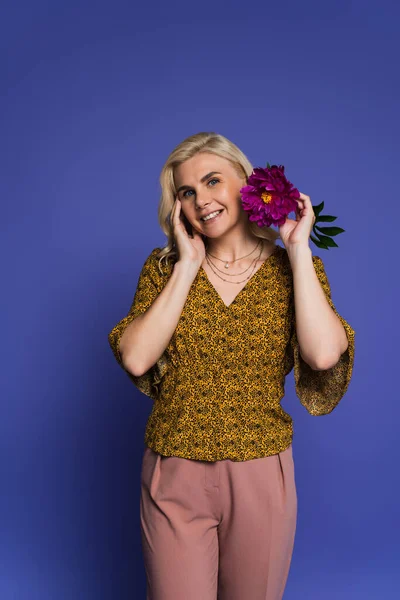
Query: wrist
x=188, y=268
x=299, y=252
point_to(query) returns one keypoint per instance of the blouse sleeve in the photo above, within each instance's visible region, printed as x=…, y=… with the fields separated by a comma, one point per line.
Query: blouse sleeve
x=149, y=285
x=320, y=391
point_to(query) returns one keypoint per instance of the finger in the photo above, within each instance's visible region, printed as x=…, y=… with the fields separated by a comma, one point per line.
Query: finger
x=299, y=210
x=177, y=212
x=179, y=223
x=173, y=210
x=307, y=206
x=180, y=217
x=304, y=196
x=307, y=203
x=176, y=220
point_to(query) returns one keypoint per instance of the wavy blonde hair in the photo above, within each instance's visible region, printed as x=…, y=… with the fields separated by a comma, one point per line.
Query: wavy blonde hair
x=211, y=143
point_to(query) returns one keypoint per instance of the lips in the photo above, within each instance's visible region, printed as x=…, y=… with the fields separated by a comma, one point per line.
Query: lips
x=212, y=218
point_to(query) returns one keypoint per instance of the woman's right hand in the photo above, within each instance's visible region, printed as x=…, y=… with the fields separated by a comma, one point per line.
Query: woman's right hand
x=190, y=249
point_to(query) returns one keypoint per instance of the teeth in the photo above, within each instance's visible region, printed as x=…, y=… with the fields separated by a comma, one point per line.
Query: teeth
x=211, y=215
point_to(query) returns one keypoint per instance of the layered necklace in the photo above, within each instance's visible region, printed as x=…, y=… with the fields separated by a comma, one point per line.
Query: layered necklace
x=252, y=265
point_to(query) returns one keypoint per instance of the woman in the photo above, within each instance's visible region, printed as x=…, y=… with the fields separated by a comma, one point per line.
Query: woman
x=210, y=337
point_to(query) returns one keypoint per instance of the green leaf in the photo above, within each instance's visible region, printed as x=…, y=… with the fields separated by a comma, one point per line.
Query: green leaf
x=318, y=243
x=330, y=230
x=325, y=218
x=317, y=209
x=327, y=240
x=268, y=165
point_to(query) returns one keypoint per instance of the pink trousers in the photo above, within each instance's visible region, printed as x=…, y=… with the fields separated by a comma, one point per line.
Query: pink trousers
x=219, y=530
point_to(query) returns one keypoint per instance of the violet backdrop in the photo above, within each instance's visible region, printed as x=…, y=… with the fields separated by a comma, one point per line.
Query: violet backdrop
x=94, y=97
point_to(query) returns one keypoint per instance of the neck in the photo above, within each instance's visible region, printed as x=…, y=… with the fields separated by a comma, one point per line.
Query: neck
x=231, y=250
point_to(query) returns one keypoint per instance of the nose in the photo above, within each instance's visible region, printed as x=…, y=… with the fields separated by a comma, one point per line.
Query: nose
x=201, y=201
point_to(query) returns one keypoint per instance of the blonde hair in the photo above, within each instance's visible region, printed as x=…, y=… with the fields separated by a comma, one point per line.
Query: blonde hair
x=212, y=143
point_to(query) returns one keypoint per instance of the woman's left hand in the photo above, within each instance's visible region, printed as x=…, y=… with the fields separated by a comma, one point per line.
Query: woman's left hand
x=297, y=232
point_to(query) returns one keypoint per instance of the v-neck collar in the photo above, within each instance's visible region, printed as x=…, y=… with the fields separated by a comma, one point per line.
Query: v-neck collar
x=246, y=285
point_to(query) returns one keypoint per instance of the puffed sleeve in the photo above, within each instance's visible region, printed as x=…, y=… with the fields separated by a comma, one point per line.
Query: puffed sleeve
x=149, y=285
x=320, y=391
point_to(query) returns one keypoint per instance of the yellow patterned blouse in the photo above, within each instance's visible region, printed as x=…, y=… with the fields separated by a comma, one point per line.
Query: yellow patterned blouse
x=217, y=387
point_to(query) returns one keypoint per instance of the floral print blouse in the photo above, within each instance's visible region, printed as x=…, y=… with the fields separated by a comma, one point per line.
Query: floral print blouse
x=218, y=386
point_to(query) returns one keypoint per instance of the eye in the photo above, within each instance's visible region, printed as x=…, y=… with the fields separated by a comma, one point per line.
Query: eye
x=214, y=179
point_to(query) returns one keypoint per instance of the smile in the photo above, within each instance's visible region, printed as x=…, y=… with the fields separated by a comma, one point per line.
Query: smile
x=212, y=216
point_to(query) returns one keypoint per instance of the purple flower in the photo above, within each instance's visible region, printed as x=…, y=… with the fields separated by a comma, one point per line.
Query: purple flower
x=269, y=197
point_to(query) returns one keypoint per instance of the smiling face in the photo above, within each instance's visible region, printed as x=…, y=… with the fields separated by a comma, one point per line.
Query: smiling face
x=206, y=183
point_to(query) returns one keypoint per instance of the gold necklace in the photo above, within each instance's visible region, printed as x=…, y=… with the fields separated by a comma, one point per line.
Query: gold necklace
x=231, y=274
x=247, y=278
x=236, y=259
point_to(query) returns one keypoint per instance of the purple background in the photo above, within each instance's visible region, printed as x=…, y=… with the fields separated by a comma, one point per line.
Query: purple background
x=94, y=97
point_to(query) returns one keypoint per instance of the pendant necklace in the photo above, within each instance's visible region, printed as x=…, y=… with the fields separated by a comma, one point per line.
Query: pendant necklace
x=236, y=259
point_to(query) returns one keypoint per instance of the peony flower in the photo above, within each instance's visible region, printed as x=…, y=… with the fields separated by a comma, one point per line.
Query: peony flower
x=269, y=197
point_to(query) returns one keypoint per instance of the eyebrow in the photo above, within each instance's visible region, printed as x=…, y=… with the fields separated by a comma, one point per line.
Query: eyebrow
x=202, y=180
